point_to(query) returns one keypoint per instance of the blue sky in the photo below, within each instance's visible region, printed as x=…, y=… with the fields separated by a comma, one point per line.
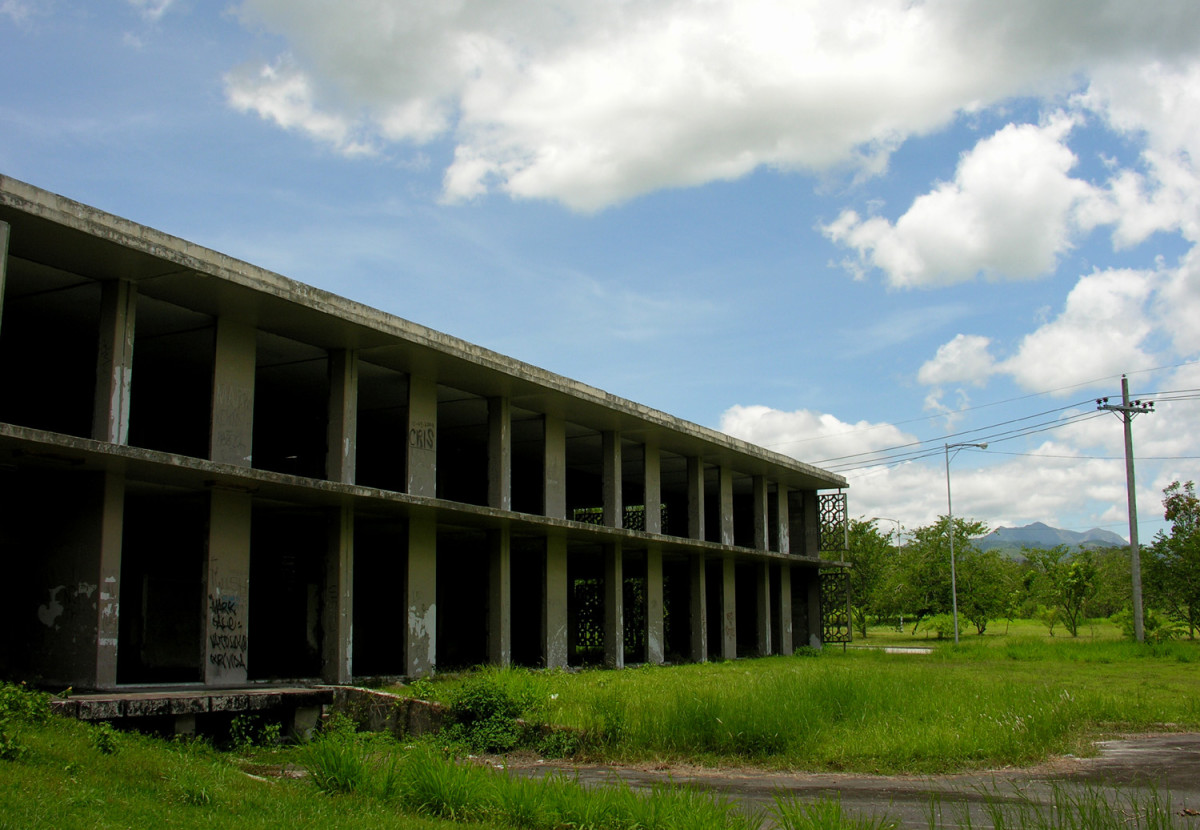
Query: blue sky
x=831, y=229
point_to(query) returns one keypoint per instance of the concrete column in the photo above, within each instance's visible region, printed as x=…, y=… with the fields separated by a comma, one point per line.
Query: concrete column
x=614, y=510
x=806, y=525
x=500, y=597
x=782, y=523
x=554, y=489
x=343, y=416
x=785, y=608
x=227, y=589
x=762, y=539
x=112, y=522
x=655, y=634
x=232, y=431
x=114, y=362
x=614, y=607
x=500, y=453
x=554, y=604
x=337, y=611
x=422, y=436
x=652, y=487
x=695, y=497
x=814, y=607
x=725, y=489
x=763, y=634
x=698, y=609
x=420, y=652
x=728, y=609
x=4, y=234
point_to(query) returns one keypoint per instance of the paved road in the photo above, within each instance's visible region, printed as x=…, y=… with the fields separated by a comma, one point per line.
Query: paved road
x=1134, y=765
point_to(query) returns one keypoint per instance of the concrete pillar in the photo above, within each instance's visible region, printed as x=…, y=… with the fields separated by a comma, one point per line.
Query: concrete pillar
x=656, y=651
x=698, y=609
x=114, y=362
x=500, y=453
x=614, y=607
x=725, y=489
x=500, y=597
x=343, y=416
x=762, y=574
x=4, y=234
x=614, y=510
x=554, y=604
x=762, y=539
x=420, y=652
x=806, y=525
x=337, y=616
x=782, y=523
x=112, y=522
x=422, y=437
x=785, y=608
x=232, y=425
x=728, y=609
x=814, y=607
x=695, y=497
x=652, y=487
x=554, y=489
x=227, y=589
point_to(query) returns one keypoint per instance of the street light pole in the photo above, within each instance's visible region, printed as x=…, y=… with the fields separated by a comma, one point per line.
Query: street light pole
x=950, y=523
x=897, y=521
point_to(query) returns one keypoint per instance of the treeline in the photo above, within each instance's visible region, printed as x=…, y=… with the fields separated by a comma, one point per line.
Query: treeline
x=908, y=585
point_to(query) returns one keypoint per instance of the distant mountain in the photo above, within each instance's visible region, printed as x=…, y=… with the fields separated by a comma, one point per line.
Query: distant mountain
x=1040, y=535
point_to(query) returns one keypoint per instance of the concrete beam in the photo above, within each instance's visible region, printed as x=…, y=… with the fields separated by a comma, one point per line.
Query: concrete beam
x=728, y=608
x=655, y=633
x=762, y=539
x=725, y=491
x=554, y=490
x=420, y=652
x=652, y=487
x=614, y=606
x=614, y=510
x=698, y=608
x=227, y=589
x=554, y=604
x=343, y=416
x=114, y=362
x=500, y=453
x=422, y=436
x=500, y=597
x=337, y=623
x=231, y=437
x=695, y=497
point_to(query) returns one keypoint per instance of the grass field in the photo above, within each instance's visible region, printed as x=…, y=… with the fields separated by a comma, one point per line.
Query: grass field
x=991, y=701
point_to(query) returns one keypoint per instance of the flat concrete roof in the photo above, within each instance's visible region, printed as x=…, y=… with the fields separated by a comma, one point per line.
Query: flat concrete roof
x=52, y=231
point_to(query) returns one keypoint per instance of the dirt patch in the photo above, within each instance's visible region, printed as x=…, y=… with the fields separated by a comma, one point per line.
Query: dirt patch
x=1166, y=763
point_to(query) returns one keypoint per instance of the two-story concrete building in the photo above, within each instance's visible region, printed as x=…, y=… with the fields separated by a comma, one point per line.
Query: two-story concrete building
x=211, y=474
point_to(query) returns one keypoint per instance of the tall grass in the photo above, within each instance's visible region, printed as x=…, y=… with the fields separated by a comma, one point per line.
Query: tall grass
x=963, y=708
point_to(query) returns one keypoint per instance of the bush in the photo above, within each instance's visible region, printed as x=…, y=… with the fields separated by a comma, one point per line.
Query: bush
x=485, y=715
x=19, y=706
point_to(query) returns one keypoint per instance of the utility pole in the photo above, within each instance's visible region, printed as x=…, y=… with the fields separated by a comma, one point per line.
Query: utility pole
x=1127, y=411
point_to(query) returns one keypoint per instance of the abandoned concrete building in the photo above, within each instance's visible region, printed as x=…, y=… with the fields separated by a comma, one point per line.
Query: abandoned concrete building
x=213, y=476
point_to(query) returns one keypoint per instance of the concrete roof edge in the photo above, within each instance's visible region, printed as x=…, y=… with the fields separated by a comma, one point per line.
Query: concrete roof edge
x=100, y=223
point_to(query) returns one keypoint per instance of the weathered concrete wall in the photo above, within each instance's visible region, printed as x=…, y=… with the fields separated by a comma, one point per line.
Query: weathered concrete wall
x=114, y=362
x=422, y=436
x=232, y=434
x=420, y=657
x=227, y=589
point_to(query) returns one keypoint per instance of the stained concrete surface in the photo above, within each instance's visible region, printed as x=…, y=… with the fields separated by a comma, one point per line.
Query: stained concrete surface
x=1134, y=765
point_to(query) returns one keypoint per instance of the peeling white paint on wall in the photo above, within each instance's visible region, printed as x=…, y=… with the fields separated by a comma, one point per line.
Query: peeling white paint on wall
x=52, y=610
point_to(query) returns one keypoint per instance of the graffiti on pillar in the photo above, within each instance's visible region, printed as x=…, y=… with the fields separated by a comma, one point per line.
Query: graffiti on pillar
x=422, y=435
x=227, y=641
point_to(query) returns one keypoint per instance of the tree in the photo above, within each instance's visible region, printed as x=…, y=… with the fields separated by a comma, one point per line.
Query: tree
x=1173, y=561
x=1065, y=582
x=985, y=585
x=872, y=555
x=920, y=585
